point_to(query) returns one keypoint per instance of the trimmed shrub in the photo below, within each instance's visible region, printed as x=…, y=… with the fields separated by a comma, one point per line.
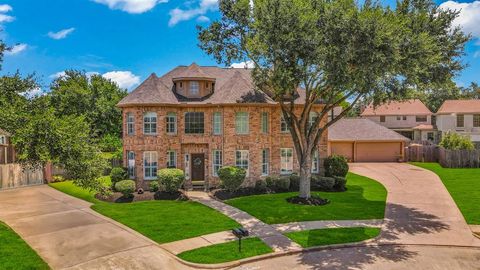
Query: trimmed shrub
x=126, y=187
x=170, y=179
x=231, y=177
x=294, y=182
x=340, y=183
x=261, y=185
x=455, y=141
x=117, y=174
x=336, y=166
x=282, y=183
x=154, y=186
x=269, y=181
x=57, y=178
x=323, y=183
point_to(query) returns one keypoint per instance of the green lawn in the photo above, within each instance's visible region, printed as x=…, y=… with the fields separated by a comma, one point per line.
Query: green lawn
x=226, y=252
x=322, y=237
x=15, y=254
x=161, y=221
x=463, y=185
x=364, y=199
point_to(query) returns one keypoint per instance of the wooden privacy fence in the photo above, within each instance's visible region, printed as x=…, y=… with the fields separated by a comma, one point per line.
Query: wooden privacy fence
x=459, y=158
x=422, y=153
x=13, y=175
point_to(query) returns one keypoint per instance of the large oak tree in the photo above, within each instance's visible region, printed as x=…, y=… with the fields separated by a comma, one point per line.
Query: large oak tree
x=335, y=51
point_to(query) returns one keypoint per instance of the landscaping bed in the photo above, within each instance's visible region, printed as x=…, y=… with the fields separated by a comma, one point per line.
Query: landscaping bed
x=330, y=236
x=226, y=252
x=15, y=253
x=464, y=187
x=364, y=199
x=118, y=197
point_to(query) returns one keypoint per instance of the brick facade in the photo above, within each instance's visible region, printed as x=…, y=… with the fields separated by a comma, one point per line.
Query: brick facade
x=205, y=143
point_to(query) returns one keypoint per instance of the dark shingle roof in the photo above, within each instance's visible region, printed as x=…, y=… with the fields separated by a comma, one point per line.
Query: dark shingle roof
x=232, y=86
x=360, y=129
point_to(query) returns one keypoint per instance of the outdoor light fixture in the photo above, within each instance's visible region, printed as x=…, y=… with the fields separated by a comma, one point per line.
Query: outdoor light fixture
x=240, y=233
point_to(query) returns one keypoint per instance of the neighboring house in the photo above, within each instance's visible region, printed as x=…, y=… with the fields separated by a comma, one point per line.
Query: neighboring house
x=411, y=119
x=362, y=140
x=7, y=152
x=460, y=116
x=199, y=119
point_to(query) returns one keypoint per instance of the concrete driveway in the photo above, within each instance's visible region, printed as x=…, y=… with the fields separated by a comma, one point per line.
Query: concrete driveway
x=67, y=234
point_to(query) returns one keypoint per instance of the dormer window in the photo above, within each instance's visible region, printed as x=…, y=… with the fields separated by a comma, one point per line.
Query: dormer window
x=181, y=85
x=194, y=88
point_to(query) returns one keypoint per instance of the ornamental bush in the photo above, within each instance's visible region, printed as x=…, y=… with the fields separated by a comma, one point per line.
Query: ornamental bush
x=126, y=187
x=340, y=183
x=294, y=182
x=282, y=183
x=336, y=166
x=154, y=186
x=454, y=141
x=117, y=174
x=323, y=183
x=170, y=179
x=231, y=177
x=261, y=185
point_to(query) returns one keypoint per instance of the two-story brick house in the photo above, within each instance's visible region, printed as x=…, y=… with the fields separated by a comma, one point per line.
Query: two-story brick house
x=460, y=116
x=410, y=118
x=200, y=118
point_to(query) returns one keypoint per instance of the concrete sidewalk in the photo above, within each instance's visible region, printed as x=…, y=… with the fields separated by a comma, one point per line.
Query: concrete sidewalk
x=268, y=234
x=67, y=234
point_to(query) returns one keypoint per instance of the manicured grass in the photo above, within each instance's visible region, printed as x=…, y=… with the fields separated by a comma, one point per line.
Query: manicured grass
x=364, y=199
x=161, y=221
x=464, y=187
x=322, y=237
x=15, y=254
x=226, y=252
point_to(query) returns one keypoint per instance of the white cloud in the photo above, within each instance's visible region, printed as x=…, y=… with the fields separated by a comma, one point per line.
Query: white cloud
x=57, y=75
x=469, y=17
x=124, y=79
x=177, y=15
x=16, y=49
x=5, y=8
x=131, y=6
x=35, y=92
x=203, y=19
x=61, y=34
x=246, y=64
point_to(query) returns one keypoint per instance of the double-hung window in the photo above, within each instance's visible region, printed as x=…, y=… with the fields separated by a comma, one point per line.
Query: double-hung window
x=241, y=122
x=264, y=122
x=131, y=164
x=265, y=161
x=3, y=139
x=194, y=123
x=217, y=161
x=286, y=160
x=194, y=88
x=150, y=123
x=421, y=118
x=315, y=162
x=283, y=125
x=171, y=159
x=476, y=120
x=382, y=118
x=171, y=121
x=217, y=123
x=241, y=159
x=312, y=117
x=150, y=165
x=460, y=120
x=130, y=124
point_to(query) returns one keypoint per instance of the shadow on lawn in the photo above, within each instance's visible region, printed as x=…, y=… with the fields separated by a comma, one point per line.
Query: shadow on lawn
x=400, y=220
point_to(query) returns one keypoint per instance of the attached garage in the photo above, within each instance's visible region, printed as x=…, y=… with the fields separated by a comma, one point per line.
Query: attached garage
x=362, y=140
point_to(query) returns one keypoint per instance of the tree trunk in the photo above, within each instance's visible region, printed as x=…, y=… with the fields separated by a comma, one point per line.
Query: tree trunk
x=305, y=175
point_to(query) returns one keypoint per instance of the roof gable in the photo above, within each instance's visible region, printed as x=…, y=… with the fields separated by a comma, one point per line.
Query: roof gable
x=409, y=107
x=460, y=106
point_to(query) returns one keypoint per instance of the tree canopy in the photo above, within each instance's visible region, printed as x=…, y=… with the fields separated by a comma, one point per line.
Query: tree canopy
x=335, y=51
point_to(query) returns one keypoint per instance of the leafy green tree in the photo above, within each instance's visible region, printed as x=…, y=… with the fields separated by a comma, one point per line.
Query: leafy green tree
x=335, y=51
x=471, y=92
x=93, y=97
x=455, y=141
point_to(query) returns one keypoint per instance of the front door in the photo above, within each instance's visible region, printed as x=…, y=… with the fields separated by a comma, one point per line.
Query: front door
x=198, y=167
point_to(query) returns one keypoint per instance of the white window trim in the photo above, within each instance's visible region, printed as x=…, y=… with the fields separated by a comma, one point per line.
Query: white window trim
x=3, y=139
x=288, y=164
x=155, y=157
x=282, y=121
x=312, y=116
x=267, y=164
x=131, y=165
x=174, y=116
x=130, y=123
x=248, y=159
x=264, y=128
x=214, y=122
x=169, y=159
x=214, y=164
x=240, y=116
x=197, y=88
x=315, y=161
x=150, y=115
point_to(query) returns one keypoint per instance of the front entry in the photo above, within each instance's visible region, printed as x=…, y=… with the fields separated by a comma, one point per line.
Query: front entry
x=198, y=167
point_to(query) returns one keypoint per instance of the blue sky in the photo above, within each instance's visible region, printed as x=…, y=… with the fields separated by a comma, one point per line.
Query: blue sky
x=126, y=40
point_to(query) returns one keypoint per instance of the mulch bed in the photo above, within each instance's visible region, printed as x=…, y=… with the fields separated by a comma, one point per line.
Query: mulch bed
x=223, y=194
x=313, y=200
x=118, y=197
